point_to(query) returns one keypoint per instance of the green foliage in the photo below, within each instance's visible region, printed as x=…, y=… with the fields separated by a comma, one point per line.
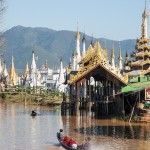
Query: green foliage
x=147, y=105
x=20, y=89
x=124, y=117
x=3, y=95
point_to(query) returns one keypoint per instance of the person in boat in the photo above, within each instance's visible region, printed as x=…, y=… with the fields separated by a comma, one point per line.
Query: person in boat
x=87, y=144
x=66, y=140
x=72, y=144
x=61, y=134
x=33, y=112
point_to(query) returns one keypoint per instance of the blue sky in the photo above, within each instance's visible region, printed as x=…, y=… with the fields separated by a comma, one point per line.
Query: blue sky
x=112, y=19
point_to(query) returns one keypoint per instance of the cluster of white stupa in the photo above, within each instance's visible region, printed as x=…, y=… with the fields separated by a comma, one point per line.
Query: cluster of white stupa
x=44, y=77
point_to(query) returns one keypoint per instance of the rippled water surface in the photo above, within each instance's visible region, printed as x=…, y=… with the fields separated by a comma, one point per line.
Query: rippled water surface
x=20, y=131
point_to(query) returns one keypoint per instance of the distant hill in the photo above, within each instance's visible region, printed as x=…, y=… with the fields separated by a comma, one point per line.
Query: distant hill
x=51, y=45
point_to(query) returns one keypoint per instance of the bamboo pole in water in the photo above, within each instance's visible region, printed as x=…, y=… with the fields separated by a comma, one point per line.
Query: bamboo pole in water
x=133, y=109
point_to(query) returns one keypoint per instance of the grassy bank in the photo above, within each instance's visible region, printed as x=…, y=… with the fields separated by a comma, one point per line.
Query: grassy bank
x=46, y=98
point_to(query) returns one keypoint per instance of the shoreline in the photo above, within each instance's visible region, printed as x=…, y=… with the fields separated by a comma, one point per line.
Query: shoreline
x=31, y=99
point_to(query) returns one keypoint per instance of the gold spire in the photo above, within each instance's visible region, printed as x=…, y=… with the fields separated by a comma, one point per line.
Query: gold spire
x=145, y=13
x=12, y=73
x=27, y=67
x=144, y=22
x=97, y=46
x=92, y=41
x=46, y=64
x=26, y=71
x=77, y=34
x=12, y=69
x=145, y=10
x=113, y=53
x=120, y=57
x=106, y=53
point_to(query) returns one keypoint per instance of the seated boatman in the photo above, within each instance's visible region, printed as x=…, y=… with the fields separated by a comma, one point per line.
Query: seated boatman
x=61, y=134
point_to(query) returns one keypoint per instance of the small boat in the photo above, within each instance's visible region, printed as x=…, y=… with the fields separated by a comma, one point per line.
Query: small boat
x=63, y=144
x=33, y=113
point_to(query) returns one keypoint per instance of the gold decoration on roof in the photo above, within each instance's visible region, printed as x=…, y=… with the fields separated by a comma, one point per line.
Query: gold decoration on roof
x=142, y=54
x=97, y=46
x=142, y=47
x=143, y=40
x=106, y=53
x=77, y=35
x=94, y=58
x=140, y=62
x=143, y=72
x=88, y=55
x=90, y=50
x=136, y=63
x=71, y=76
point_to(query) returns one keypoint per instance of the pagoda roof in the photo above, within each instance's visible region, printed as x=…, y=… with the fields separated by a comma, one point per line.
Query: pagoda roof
x=138, y=72
x=142, y=54
x=137, y=63
x=144, y=72
x=85, y=70
x=142, y=46
x=96, y=57
x=143, y=40
x=82, y=74
x=140, y=62
x=134, y=73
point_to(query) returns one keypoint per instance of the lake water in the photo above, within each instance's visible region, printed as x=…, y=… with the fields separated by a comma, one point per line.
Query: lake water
x=20, y=131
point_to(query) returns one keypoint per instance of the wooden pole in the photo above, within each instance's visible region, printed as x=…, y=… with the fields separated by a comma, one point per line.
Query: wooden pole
x=139, y=96
x=131, y=113
x=133, y=110
x=25, y=102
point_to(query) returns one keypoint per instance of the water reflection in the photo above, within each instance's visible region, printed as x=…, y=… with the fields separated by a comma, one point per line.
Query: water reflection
x=127, y=132
x=20, y=131
x=107, y=134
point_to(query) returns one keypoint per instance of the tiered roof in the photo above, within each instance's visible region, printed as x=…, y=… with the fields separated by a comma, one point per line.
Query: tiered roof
x=141, y=57
x=94, y=58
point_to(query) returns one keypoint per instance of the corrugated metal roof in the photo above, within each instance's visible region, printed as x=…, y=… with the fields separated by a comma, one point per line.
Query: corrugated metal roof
x=128, y=89
x=135, y=86
x=140, y=85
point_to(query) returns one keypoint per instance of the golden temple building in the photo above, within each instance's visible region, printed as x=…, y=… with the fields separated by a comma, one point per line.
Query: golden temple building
x=93, y=78
x=95, y=81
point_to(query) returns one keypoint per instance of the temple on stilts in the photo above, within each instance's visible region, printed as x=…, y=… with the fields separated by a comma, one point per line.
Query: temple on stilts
x=94, y=80
x=100, y=85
